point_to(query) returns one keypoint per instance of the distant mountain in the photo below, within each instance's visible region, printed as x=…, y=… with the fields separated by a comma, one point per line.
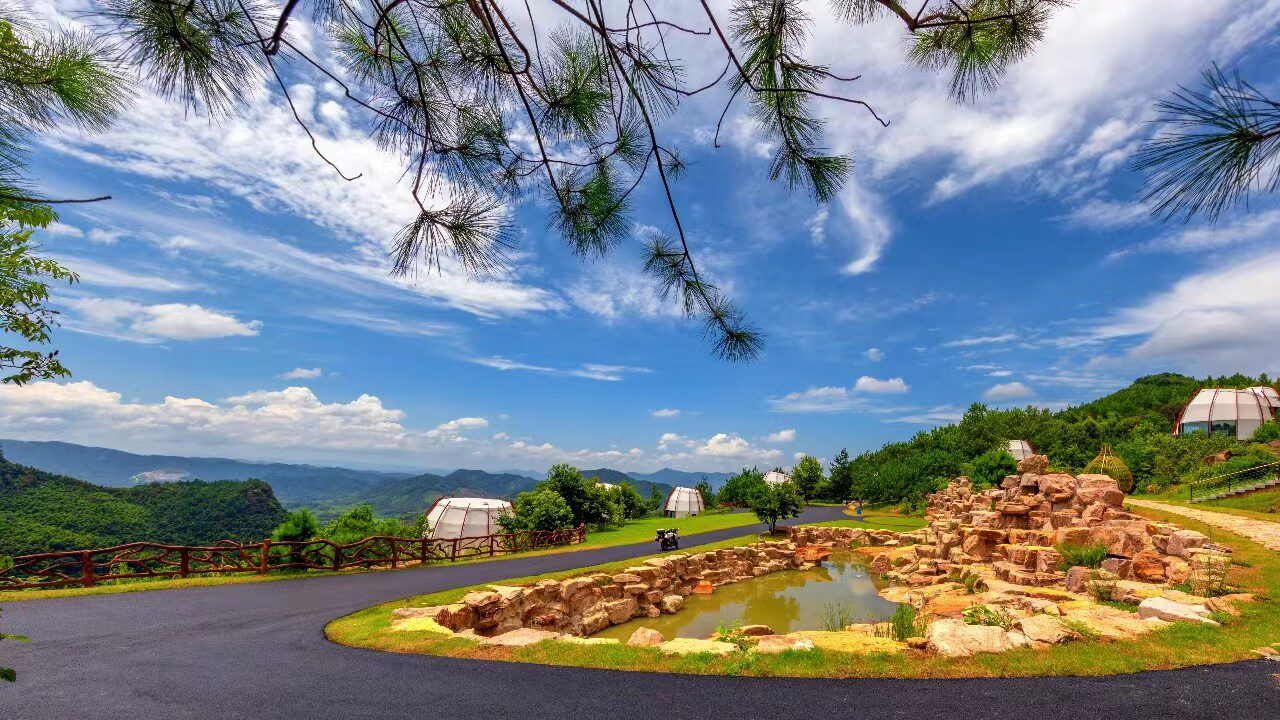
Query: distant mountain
x=44, y=512
x=683, y=478
x=293, y=484
x=408, y=496
x=613, y=477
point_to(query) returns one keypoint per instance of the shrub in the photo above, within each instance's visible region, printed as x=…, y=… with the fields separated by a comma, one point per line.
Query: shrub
x=300, y=525
x=987, y=615
x=541, y=509
x=837, y=616
x=991, y=467
x=1103, y=587
x=1267, y=432
x=1090, y=556
x=907, y=622
x=972, y=582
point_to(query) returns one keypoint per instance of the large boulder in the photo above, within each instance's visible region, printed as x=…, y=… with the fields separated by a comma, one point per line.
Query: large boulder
x=1097, y=488
x=1044, y=629
x=645, y=637
x=1170, y=610
x=1147, y=566
x=1181, y=542
x=955, y=638
x=621, y=610
x=1058, y=487
x=1034, y=464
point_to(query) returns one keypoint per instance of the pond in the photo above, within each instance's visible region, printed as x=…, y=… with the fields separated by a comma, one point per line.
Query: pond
x=785, y=601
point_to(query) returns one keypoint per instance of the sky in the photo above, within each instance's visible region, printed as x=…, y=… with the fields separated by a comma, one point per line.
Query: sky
x=235, y=298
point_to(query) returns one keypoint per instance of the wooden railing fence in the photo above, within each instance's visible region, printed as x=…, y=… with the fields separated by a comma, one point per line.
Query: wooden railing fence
x=155, y=560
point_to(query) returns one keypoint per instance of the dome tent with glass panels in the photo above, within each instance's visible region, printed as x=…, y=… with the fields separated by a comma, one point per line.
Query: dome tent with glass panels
x=450, y=518
x=1228, y=412
x=683, y=502
x=1020, y=449
x=776, y=477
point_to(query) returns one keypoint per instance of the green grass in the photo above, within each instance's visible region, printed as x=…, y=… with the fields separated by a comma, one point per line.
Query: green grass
x=1259, y=505
x=1179, y=645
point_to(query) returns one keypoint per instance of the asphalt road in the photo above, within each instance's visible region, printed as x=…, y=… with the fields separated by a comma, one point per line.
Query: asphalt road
x=258, y=651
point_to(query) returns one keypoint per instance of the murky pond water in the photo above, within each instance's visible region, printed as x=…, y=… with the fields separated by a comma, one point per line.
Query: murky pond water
x=785, y=601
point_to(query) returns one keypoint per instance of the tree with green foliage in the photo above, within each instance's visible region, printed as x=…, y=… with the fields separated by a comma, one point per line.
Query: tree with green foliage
x=839, y=486
x=24, y=295
x=540, y=509
x=485, y=110
x=625, y=496
x=1267, y=432
x=588, y=500
x=301, y=525
x=739, y=489
x=991, y=467
x=709, y=499
x=654, y=503
x=808, y=477
x=362, y=522
x=775, y=503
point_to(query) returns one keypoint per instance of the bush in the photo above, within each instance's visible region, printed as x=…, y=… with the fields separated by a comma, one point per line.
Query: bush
x=987, y=615
x=541, y=509
x=627, y=499
x=300, y=525
x=1090, y=556
x=907, y=622
x=359, y=523
x=1267, y=432
x=991, y=467
x=775, y=503
x=739, y=489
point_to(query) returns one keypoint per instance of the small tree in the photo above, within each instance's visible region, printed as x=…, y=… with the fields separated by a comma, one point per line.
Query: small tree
x=631, y=506
x=299, y=526
x=589, y=501
x=808, y=477
x=654, y=503
x=840, y=483
x=24, y=294
x=541, y=509
x=775, y=503
x=709, y=498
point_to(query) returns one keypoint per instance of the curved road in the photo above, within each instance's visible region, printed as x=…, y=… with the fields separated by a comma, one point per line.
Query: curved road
x=257, y=651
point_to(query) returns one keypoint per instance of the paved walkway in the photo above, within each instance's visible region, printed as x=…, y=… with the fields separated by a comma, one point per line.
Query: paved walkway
x=1262, y=531
x=257, y=652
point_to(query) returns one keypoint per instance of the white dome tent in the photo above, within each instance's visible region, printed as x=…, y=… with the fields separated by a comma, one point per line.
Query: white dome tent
x=451, y=518
x=775, y=477
x=683, y=502
x=1223, y=412
x=1020, y=449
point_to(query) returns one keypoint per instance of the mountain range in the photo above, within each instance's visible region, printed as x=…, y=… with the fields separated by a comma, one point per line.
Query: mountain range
x=326, y=490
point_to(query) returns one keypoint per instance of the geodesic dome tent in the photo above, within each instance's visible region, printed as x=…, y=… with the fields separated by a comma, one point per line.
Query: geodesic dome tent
x=1223, y=412
x=774, y=477
x=683, y=502
x=451, y=518
x=1269, y=394
x=1020, y=449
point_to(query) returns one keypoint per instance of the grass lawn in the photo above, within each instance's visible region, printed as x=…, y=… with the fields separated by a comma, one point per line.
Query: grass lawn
x=1260, y=504
x=635, y=531
x=1180, y=645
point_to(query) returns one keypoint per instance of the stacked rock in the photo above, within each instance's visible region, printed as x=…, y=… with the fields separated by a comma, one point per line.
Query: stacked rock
x=585, y=605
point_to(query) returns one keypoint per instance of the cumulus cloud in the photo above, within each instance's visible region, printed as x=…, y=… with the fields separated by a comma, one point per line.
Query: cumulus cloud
x=868, y=384
x=303, y=374
x=666, y=413
x=1004, y=392
x=874, y=354
x=782, y=436
x=129, y=320
x=455, y=428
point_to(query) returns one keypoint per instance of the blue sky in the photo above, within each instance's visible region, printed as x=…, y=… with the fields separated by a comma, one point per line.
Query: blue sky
x=235, y=297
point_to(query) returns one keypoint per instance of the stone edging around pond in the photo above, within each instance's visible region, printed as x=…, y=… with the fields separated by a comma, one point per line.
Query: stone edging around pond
x=583, y=605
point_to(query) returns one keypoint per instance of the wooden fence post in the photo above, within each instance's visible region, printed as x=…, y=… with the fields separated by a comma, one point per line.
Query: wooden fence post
x=184, y=564
x=394, y=562
x=453, y=555
x=266, y=557
x=492, y=550
x=337, y=557
x=86, y=568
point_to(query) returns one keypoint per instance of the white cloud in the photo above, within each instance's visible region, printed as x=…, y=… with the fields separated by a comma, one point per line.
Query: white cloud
x=1004, y=392
x=1099, y=214
x=92, y=272
x=874, y=354
x=612, y=293
x=105, y=236
x=817, y=225
x=872, y=228
x=591, y=371
x=57, y=228
x=1222, y=319
x=981, y=340
x=263, y=422
x=303, y=374
x=666, y=413
x=782, y=436
x=1248, y=229
x=128, y=320
x=937, y=415
x=457, y=427
x=724, y=445
x=868, y=384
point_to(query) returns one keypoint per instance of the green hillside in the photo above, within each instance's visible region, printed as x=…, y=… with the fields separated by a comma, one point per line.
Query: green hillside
x=41, y=512
x=1136, y=421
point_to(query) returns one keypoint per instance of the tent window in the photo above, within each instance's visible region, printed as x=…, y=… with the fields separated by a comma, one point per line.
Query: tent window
x=1191, y=427
x=1223, y=427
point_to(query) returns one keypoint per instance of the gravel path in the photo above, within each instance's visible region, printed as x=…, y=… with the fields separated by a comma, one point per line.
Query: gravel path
x=1261, y=531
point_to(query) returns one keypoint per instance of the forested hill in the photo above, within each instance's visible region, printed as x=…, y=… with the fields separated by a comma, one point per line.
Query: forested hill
x=41, y=511
x=1136, y=421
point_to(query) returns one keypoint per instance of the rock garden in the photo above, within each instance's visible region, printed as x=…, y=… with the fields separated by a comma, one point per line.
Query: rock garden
x=1049, y=570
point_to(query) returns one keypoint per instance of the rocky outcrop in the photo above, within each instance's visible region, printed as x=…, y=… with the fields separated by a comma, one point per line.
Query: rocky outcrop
x=585, y=605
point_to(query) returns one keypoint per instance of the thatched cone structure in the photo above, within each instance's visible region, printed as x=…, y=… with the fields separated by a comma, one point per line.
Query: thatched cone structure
x=1109, y=464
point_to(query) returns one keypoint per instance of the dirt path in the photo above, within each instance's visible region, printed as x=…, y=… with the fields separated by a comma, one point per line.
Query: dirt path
x=1262, y=531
